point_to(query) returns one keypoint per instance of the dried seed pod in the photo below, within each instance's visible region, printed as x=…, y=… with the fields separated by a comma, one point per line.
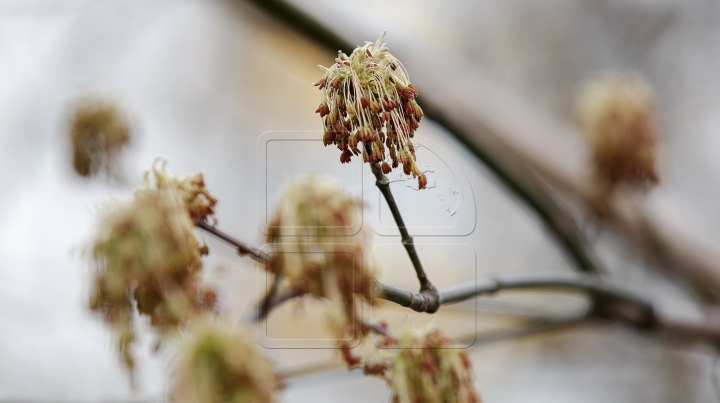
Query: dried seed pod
x=428, y=369
x=617, y=114
x=98, y=134
x=373, y=85
x=219, y=363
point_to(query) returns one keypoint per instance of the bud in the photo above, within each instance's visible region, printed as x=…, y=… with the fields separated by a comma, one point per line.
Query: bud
x=322, y=110
x=320, y=83
x=422, y=181
x=353, y=141
x=98, y=134
x=407, y=169
x=220, y=363
x=418, y=111
x=364, y=102
x=429, y=369
x=617, y=114
x=374, y=87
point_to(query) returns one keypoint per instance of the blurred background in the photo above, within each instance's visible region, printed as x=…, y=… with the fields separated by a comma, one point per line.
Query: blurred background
x=204, y=82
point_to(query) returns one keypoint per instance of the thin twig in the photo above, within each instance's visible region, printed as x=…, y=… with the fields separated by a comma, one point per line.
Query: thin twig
x=241, y=247
x=430, y=301
x=265, y=307
x=273, y=301
x=512, y=173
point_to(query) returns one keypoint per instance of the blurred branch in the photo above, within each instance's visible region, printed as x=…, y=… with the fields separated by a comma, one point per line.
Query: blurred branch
x=241, y=247
x=556, y=219
x=607, y=302
x=517, y=143
x=274, y=299
x=430, y=302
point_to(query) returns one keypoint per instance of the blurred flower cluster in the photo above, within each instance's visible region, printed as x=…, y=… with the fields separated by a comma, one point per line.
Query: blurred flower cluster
x=617, y=114
x=146, y=256
x=310, y=233
x=428, y=369
x=220, y=364
x=368, y=106
x=98, y=133
x=199, y=203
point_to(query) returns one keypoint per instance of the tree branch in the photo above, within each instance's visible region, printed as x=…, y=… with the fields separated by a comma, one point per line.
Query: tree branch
x=608, y=302
x=242, y=248
x=512, y=173
x=274, y=299
x=430, y=302
x=513, y=139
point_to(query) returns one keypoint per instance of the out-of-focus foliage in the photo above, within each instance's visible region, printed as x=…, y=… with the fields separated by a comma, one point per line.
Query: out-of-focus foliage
x=98, y=133
x=146, y=255
x=617, y=114
x=310, y=233
x=429, y=369
x=198, y=201
x=220, y=364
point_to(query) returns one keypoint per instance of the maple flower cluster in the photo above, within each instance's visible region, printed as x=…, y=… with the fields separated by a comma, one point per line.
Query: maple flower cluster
x=218, y=364
x=310, y=232
x=98, y=133
x=617, y=114
x=368, y=107
x=199, y=203
x=429, y=369
x=145, y=254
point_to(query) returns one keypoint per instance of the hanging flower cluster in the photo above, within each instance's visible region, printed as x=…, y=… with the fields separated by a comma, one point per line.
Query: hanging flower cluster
x=368, y=106
x=98, y=133
x=145, y=254
x=220, y=364
x=617, y=114
x=310, y=235
x=428, y=369
x=199, y=203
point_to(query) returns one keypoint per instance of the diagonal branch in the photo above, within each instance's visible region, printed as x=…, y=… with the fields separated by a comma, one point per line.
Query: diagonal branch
x=430, y=303
x=512, y=173
x=274, y=299
x=241, y=247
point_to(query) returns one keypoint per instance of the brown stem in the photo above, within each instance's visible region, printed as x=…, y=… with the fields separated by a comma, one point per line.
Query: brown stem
x=273, y=300
x=430, y=303
x=242, y=248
